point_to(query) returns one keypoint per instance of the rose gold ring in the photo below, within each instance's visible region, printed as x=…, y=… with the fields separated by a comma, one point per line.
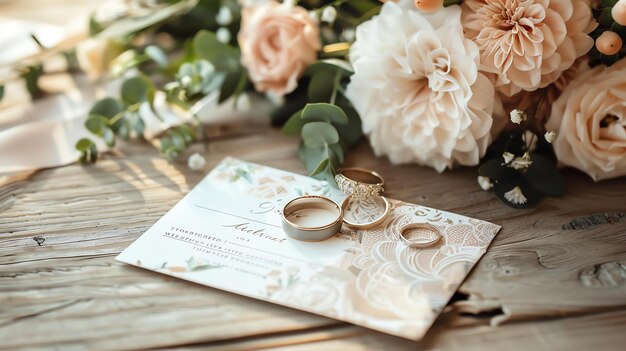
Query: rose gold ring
x=420, y=244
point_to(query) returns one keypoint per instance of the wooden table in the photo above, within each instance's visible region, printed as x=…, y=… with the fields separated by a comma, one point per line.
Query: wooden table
x=555, y=277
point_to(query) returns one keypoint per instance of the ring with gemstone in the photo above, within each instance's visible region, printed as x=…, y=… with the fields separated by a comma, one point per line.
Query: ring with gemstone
x=360, y=183
x=420, y=244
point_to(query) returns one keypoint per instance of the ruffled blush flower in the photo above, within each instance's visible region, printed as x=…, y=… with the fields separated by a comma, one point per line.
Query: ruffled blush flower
x=527, y=44
x=417, y=87
x=590, y=117
x=278, y=42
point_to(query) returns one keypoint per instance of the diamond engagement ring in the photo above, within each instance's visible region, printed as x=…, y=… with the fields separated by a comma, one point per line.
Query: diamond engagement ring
x=360, y=183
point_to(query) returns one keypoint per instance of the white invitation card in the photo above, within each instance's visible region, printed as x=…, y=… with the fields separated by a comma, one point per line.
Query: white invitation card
x=226, y=234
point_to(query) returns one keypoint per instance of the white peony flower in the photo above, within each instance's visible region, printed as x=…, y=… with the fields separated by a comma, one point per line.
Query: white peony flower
x=485, y=183
x=517, y=116
x=550, y=136
x=329, y=14
x=417, y=87
x=196, y=162
x=223, y=35
x=515, y=196
x=508, y=157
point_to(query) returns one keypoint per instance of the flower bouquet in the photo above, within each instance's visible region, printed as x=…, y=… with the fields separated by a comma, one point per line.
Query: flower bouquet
x=515, y=86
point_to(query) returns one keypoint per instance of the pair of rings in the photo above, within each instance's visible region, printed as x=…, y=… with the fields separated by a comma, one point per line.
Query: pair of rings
x=316, y=218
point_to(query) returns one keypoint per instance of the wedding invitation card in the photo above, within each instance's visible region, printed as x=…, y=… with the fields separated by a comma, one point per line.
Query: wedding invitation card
x=226, y=234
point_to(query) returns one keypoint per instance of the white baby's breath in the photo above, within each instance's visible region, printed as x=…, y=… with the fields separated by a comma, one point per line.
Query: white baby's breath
x=550, y=136
x=289, y=3
x=348, y=34
x=223, y=35
x=224, y=16
x=523, y=162
x=508, y=157
x=242, y=103
x=485, y=183
x=329, y=14
x=196, y=162
x=518, y=116
x=515, y=196
x=314, y=16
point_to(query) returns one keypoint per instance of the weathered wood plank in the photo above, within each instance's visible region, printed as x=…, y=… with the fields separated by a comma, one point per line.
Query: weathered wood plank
x=65, y=290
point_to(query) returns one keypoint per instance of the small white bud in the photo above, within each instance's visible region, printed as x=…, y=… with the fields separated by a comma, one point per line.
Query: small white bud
x=485, y=183
x=242, y=103
x=275, y=99
x=349, y=34
x=223, y=35
x=518, y=116
x=289, y=3
x=185, y=81
x=515, y=196
x=508, y=157
x=224, y=16
x=314, y=16
x=550, y=136
x=329, y=14
x=196, y=162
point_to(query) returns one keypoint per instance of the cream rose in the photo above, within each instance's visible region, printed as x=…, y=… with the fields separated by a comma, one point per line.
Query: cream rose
x=95, y=55
x=590, y=120
x=527, y=44
x=417, y=87
x=277, y=42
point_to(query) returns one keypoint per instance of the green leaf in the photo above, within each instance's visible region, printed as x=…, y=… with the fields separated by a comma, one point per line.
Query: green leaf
x=137, y=89
x=352, y=132
x=317, y=134
x=608, y=3
x=324, y=112
x=96, y=124
x=107, y=107
x=31, y=76
x=543, y=175
x=224, y=57
x=619, y=29
x=83, y=144
x=109, y=137
x=233, y=84
x=321, y=85
x=1, y=92
x=321, y=167
x=606, y=18
x=157, y=55
x=294, y=124
x=330, y=65
x=337, y=152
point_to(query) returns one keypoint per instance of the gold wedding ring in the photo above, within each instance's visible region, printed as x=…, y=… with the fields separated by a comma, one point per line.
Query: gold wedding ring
x=367, y=225
x=360, y=183
x=312, y=218
x=420, y=244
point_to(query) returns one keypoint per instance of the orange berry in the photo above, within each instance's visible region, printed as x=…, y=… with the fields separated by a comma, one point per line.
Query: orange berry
x=429, y=5
x=609, y=43
x=619, y=12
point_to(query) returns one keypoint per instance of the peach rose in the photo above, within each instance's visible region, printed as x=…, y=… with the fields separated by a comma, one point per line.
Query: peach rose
x=590, y=120
x=528, y=44
x=277, y=42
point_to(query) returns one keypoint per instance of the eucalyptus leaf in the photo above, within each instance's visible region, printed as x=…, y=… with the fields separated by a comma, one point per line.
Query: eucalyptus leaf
x=107, y=107
x=321, y=167
x=608, y=3
x=96, y=124
x=157, y=55
x=137, y=89
x=1, y=92
x=83, y=144
x=324, y=112
x=316, y=134
x=321, y=85
x=294, y=124
x=31, y=76
x=233, y=84
x=224, y=57
x=108, y=136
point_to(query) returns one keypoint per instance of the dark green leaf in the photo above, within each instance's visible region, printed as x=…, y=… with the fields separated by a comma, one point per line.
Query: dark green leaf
x=337, y=152
x=31, y=76
x=108, y=136
x=617, y=28
x=137, y=90
x=544, y=176
x=324, y=112
x=608, y=3
x=321, y=85
x=606, y=18
x=234, y=84
x=96, y=124
x=107, y=107
x=1, y=92
x=316, y=134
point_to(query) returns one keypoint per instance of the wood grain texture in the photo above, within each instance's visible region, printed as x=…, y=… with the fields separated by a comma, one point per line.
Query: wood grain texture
x=60, y=230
